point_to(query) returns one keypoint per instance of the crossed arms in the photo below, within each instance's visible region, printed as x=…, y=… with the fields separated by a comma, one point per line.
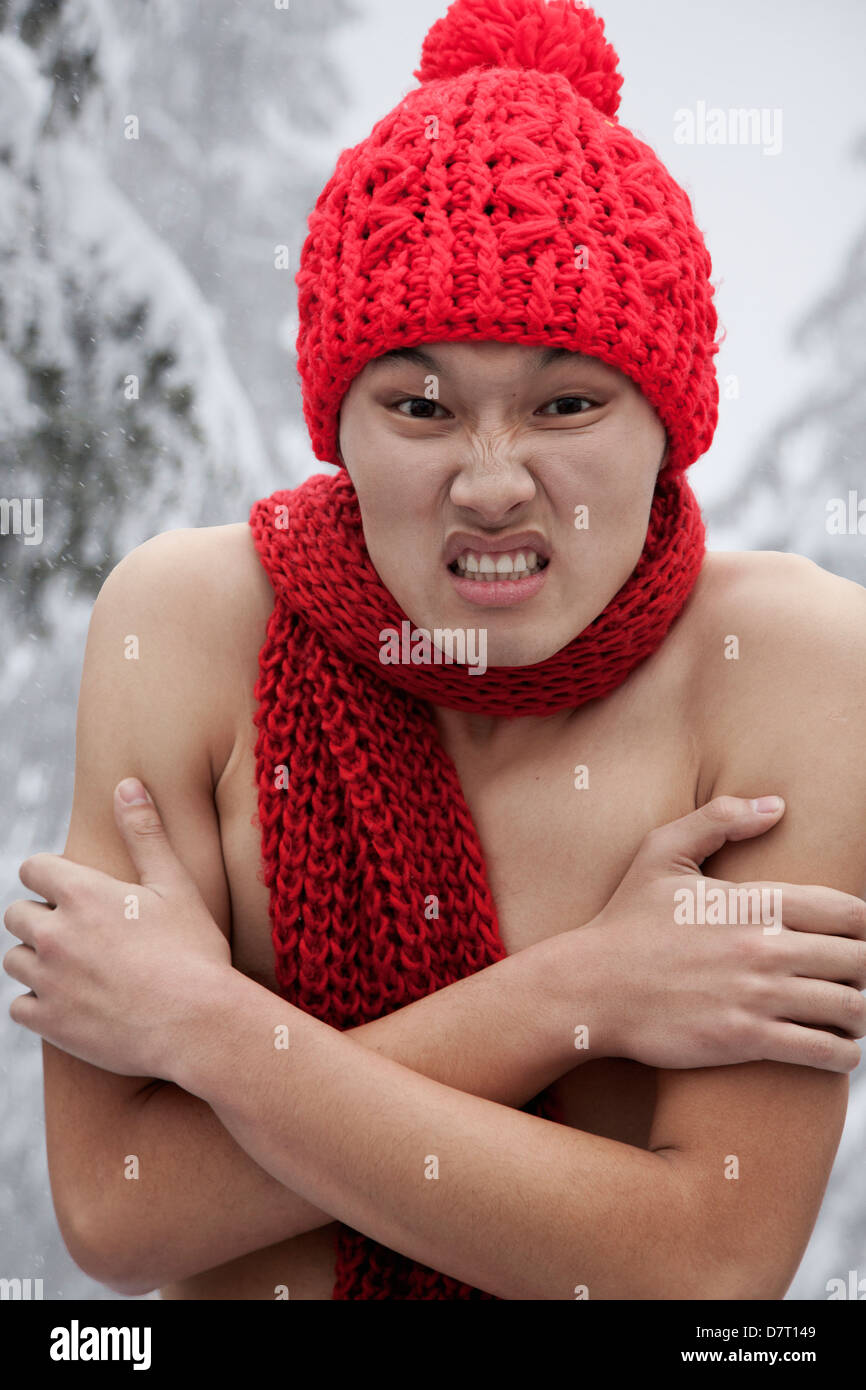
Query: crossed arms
x=566, y=1207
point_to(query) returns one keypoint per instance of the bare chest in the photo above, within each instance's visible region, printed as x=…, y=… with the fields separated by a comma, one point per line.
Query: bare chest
x=559, y=819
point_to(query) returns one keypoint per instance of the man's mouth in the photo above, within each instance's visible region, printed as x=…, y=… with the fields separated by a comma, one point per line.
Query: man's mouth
x=509, y=566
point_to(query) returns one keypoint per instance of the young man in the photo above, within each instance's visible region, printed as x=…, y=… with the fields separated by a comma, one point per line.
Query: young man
x=694, y=677
x=685, y=728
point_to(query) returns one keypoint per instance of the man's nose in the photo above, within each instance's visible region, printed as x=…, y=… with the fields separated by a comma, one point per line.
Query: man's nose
x=491, y=472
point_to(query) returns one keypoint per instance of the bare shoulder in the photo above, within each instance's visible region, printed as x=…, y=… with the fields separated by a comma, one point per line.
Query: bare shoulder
x=203, y=593
x=205, y=580
x=778, y=671
x=764, y=613
x=196, y=563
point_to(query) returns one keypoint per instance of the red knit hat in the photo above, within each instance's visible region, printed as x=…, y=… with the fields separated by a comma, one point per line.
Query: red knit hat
x=501, y=199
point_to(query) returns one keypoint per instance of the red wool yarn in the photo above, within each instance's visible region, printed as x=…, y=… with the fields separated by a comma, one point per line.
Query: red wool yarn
x=363, y=818
x=500, y=202
x=378, y=888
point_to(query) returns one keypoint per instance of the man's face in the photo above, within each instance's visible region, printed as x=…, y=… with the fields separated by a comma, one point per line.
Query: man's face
x=452, y=446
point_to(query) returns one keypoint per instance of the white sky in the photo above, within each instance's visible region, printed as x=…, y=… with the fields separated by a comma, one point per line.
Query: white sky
x=777, y=227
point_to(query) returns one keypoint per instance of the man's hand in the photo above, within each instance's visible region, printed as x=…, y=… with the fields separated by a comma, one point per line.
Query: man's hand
x=110, y=965
x=751, y=985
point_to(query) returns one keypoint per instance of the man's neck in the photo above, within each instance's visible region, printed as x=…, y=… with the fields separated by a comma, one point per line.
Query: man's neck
x=494, y=735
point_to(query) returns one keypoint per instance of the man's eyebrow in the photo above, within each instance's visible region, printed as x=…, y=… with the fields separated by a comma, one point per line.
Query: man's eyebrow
x=407, y=354
x=544, y=357
x=550, y=355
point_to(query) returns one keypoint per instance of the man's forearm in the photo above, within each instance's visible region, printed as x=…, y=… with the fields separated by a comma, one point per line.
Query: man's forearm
x=505, y=1201
x=503, y=1034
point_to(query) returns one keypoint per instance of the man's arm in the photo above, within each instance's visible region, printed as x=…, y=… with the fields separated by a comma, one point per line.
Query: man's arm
x=161, y=716
x=754, y=1144
x=723, y=1203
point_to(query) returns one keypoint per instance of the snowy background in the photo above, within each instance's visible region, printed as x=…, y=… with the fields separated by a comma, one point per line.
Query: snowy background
x=153, y=156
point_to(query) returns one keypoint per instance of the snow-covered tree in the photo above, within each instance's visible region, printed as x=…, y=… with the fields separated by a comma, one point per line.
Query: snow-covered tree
x=805, y=488
x=119, y=408
x=152, y=155
x=233, y=101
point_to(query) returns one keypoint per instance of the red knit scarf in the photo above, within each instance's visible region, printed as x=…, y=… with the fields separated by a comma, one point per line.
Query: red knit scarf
x=378, y=888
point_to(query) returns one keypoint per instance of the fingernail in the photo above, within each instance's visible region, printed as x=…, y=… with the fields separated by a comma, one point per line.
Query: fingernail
x=132, y=792
x=767, y=804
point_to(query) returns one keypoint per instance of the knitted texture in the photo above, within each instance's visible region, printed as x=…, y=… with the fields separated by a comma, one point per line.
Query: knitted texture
x=318, y=551
x=502, y=199
x=362, y=815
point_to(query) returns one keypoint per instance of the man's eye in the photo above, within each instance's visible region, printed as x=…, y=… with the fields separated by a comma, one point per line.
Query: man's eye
x=570, y=403
x=427, y=408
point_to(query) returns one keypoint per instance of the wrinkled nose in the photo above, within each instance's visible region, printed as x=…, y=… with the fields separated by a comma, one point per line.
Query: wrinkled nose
x=491, y=476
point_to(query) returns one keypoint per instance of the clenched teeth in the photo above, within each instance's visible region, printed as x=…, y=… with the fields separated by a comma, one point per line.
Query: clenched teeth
x=510, y=565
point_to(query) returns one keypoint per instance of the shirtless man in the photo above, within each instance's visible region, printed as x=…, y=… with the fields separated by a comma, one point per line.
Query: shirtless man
x=685, y=727
x=501, y=201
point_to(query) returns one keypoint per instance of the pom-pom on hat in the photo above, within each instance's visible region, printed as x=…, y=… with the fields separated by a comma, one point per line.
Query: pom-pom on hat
x=502, y=199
